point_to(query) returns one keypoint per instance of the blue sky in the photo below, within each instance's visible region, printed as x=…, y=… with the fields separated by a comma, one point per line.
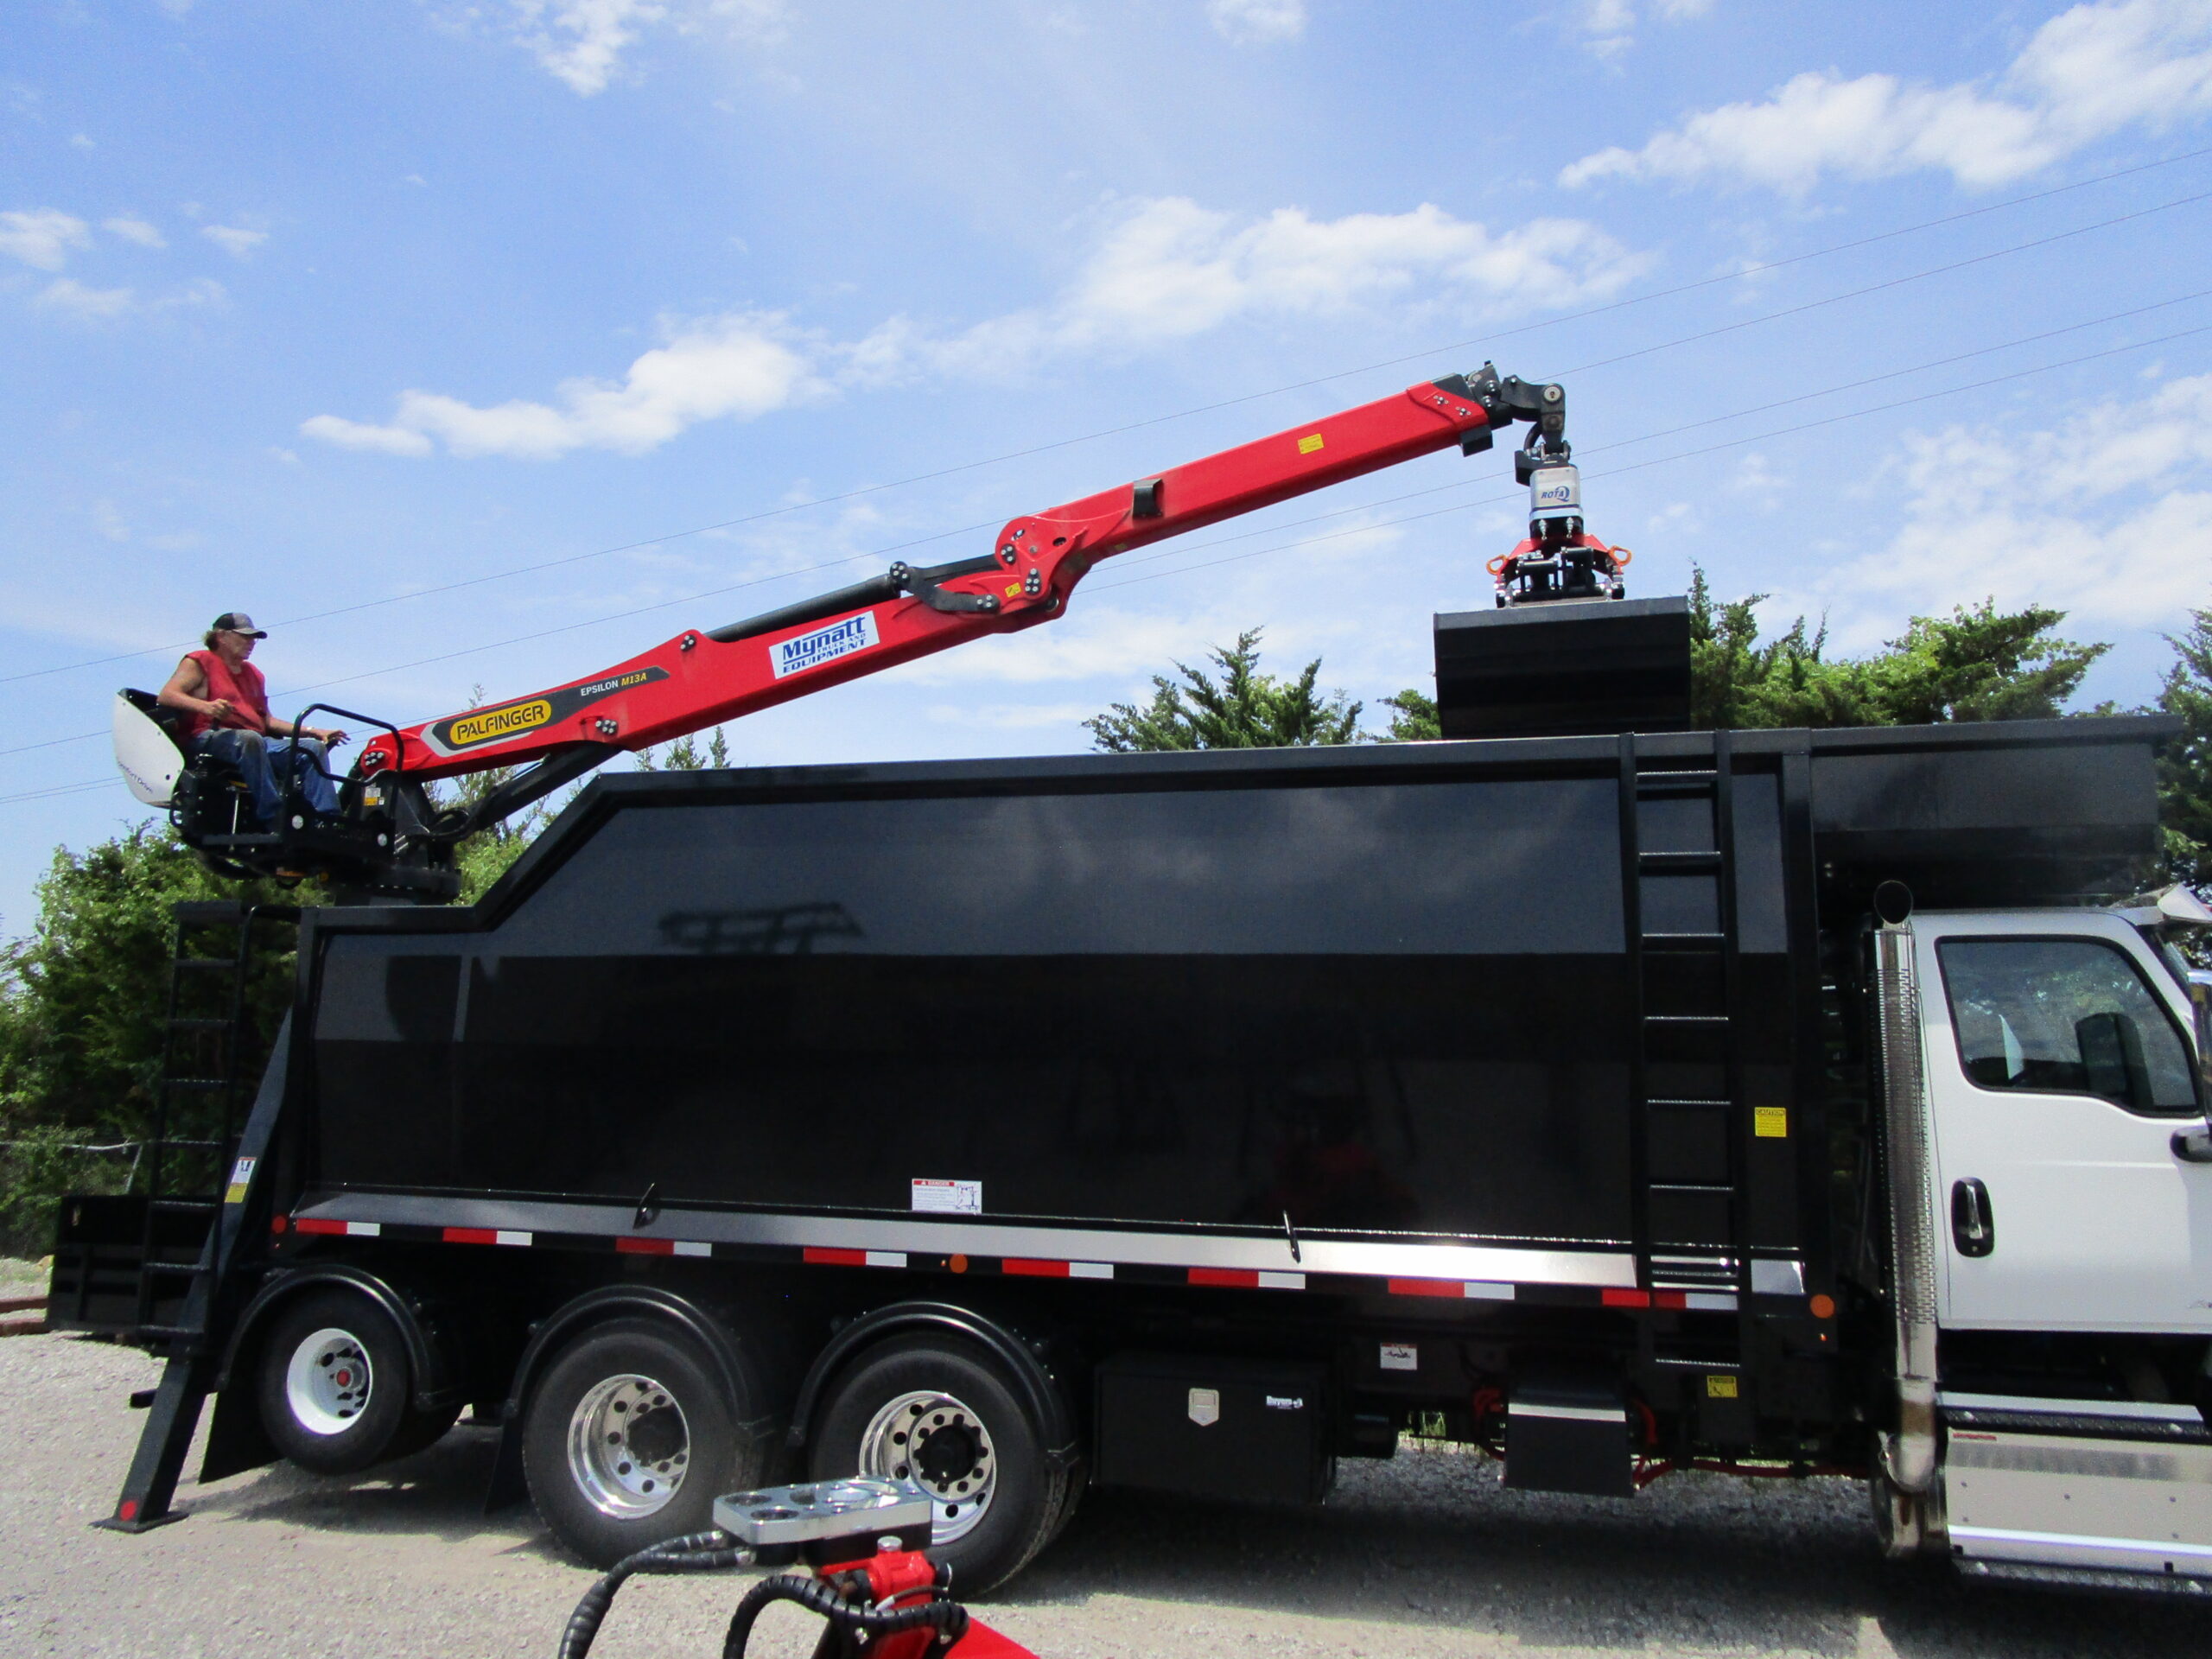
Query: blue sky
x=636, y=315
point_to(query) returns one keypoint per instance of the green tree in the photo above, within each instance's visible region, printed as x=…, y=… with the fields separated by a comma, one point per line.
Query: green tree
x=2185, y=763
x=1414, y=718
x=81, y=999
x=1246, y=709
x=684, y=755
x=1977, y=663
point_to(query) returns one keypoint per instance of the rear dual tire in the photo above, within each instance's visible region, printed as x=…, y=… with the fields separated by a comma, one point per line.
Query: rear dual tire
x=943, y=1414
x=629, y=1438
x=336, y=1388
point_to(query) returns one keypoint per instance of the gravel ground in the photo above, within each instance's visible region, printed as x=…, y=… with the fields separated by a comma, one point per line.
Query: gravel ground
x=1425, y=1555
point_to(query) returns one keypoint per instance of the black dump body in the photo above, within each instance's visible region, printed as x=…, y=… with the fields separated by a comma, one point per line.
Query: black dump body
x=1384, y=994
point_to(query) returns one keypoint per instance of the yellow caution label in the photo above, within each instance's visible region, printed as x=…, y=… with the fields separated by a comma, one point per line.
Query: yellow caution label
x=1719, y=1387
x=241, y=1181
x=1770, y=1122
x=1309, y=444
x=499, y=722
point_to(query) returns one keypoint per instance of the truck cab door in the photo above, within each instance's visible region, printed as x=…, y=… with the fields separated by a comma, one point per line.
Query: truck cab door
x=2063, y=1089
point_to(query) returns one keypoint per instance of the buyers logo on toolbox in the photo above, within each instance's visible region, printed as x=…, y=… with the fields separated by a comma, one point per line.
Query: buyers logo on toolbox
x=824, y=645
x=458, y=733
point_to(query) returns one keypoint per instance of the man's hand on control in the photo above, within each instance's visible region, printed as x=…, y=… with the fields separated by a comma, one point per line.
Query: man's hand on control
x=219, y=709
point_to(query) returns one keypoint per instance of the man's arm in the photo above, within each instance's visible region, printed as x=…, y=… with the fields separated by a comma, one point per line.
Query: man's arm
x=184, y=689
x=328, y=734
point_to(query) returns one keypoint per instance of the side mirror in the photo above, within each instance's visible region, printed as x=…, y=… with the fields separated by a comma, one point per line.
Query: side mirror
x=2111, y=1058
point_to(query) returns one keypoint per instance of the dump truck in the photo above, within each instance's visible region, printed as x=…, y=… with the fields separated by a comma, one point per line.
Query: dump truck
x=1617, y=1099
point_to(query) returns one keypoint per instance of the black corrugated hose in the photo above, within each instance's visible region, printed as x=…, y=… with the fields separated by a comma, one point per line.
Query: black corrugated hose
x=846, y=1618
x=713, y=1550
x=696, y=1552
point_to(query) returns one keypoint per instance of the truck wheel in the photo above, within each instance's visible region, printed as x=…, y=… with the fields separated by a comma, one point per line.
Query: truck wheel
x=334, y=1383
x=939, y=1414
x=629, y=1439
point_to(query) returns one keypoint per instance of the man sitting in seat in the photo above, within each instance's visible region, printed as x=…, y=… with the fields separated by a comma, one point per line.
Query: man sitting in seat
x=226, y=705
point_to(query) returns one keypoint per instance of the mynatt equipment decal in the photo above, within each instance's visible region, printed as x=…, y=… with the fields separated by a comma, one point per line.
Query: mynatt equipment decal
x=824, y=645
x=458, y=733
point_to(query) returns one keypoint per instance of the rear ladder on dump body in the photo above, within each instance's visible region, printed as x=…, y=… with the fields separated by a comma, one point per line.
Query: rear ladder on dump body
x=1685, y=976
x=153, y=1267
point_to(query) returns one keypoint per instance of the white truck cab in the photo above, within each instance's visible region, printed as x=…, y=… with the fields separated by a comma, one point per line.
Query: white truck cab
x=2064, y=1182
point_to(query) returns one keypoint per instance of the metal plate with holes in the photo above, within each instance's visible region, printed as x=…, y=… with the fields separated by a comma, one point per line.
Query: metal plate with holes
x=2060, y=1500
x=822, y=1508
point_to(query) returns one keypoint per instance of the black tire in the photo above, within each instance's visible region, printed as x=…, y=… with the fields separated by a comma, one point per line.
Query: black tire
x=591, y=1485
x=945, y=1390
x=335, y=1385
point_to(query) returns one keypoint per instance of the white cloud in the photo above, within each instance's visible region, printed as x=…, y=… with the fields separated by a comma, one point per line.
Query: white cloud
x=1162, y=272
x=2088, y=73
x=1170, y=268
x=73, y=299
x=134, y=230
x=234, y=240
x=108, y=522
x=1254, y=21
x=2108, y=519
x=581, y=43
x=738, y=366
x=42, y=236
x=1608, y=27
x=356, y=435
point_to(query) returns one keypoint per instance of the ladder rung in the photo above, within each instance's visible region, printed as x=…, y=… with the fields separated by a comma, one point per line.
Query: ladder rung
x=1702, y=1105
x=1685, y=1019
x=1677, y=775
x=194, y=1082
x=1682, y=941
x=1690, y=1186
x=1659, y=863
x=200, y=1022
x=229, y=964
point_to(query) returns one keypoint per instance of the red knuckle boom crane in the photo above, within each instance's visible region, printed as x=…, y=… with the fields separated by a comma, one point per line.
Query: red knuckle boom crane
x=392, y=839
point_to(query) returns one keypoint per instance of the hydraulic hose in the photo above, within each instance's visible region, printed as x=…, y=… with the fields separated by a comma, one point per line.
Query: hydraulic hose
x=950, y=1617
x=696, y=1552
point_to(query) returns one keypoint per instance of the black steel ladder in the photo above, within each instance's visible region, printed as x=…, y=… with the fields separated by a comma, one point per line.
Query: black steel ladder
x=201, y=1187
x=1685, y=975
x=207, y=1043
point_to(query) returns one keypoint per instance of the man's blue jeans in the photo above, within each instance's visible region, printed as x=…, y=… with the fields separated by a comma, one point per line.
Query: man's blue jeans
x=262, y=761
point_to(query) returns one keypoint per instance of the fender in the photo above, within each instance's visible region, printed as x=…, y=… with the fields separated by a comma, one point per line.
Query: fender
x=1047, y=1402
x=236, y=1440
x=741, y=1376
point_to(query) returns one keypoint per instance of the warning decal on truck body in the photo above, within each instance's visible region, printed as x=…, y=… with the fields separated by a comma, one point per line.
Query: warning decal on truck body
x=948, y=1197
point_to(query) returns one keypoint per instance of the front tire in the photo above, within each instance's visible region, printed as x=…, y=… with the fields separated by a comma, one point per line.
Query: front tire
x=941, y=1413
x=629, y=1439
x=334, y=1383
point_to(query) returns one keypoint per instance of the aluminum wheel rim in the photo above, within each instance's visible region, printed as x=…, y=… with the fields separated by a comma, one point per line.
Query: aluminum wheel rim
x=328, y=1381
x=629, y=1446
x=941, y=1446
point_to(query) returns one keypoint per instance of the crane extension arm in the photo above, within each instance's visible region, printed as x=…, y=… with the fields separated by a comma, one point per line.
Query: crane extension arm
x=702, y=678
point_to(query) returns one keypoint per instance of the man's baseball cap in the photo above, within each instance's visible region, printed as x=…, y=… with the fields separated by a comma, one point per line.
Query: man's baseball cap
x=239, y=622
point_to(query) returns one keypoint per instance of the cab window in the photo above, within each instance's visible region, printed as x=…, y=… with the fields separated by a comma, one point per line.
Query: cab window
x=2064, y=1016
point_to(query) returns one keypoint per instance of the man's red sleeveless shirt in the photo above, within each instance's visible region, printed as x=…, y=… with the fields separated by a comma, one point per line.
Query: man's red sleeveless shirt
x=247, y=692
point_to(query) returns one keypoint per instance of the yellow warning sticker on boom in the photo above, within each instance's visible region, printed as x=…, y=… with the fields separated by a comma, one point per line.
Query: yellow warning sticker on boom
x=1309, y=444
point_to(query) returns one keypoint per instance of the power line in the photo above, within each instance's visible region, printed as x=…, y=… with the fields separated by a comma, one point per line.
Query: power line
x=1184, y=549
x=1463, y=506
x=1686, y=454
x=1427, y=354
